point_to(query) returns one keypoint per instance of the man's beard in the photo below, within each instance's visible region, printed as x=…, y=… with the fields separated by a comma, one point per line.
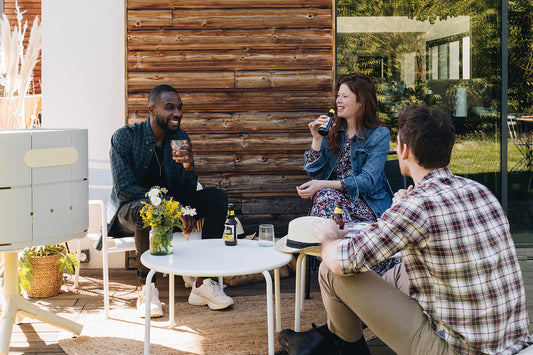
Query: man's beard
x=163, y=123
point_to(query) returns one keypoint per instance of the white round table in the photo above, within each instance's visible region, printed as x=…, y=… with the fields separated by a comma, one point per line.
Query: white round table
x=212, y=258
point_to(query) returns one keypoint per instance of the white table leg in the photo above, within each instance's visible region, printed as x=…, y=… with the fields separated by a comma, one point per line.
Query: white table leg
x=13, y=303
x=300, y=265
x=147, y=306
x=276, y=299
x=270, y=311
x=303, y=269
x=171, y=322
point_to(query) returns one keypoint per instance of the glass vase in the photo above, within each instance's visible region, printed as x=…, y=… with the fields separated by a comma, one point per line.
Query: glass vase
x=161, y=241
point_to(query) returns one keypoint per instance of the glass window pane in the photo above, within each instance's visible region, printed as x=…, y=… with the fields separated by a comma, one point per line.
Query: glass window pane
x=447, y=54
x=466, y=57
x=454, y=60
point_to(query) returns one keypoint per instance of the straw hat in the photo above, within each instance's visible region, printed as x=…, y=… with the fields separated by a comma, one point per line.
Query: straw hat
x=301, y=236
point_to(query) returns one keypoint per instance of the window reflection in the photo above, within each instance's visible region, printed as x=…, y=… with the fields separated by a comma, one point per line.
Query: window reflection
x=448, y=55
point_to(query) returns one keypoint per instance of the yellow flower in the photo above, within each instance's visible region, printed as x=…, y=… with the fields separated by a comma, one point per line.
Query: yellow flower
x=160, y=212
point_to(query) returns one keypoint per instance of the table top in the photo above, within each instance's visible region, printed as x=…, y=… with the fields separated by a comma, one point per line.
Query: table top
x=525, y=118
x=211, y=258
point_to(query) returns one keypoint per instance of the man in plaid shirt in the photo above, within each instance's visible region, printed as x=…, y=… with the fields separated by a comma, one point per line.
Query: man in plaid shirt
x=466, y=294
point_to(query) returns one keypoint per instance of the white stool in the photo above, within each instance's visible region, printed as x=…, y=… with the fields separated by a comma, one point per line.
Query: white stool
x=300, y=285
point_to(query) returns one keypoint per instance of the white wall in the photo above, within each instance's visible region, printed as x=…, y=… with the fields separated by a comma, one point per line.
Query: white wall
x=83, y=79
x=83, y=68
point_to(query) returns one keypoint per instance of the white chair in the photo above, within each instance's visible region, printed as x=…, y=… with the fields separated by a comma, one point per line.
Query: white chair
x=97, y=208
x=117, y=245
x=511, y=125
x=100, y=185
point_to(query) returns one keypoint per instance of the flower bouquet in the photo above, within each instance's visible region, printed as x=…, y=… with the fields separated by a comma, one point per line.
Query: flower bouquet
x=163, y=216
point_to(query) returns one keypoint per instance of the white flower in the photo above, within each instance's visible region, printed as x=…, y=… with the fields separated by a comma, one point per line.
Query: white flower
x=188, y=211
x=155, y=200
x=154, y=193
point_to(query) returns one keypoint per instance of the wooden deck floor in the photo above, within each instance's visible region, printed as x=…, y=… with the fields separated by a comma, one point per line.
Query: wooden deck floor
x=32, y=337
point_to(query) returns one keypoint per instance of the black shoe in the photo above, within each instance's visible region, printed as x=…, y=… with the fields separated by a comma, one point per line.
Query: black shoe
x=302, y=343
x=98, y=244
x=320, y=341
x=358, y=347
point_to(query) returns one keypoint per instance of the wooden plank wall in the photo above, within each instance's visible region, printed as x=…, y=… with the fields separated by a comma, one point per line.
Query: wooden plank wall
x=30, y=9
x=251, y=74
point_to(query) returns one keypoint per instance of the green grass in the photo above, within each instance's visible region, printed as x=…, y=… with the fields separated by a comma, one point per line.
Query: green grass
x=472, y=155
x=482, y=156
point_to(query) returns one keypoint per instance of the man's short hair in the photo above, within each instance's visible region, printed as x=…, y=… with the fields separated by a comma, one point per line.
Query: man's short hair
x=430, y=134
x=155, y=93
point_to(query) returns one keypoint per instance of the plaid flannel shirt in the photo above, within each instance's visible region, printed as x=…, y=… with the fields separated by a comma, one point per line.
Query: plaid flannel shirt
x=460, y=257
x=132, y=148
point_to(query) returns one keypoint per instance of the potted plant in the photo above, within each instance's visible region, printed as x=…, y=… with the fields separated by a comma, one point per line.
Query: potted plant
x=41, y=269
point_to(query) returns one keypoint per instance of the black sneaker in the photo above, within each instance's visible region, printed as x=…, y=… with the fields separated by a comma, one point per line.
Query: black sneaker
x=300, y=343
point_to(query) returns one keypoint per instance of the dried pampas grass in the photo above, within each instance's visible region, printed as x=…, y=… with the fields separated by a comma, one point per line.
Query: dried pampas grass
x=17, y=110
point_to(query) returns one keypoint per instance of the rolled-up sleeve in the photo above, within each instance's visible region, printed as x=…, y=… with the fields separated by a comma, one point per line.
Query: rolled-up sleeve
x=392, y=233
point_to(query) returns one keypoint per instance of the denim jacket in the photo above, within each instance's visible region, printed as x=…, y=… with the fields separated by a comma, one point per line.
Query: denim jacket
x=368, y=161
x=132, y=148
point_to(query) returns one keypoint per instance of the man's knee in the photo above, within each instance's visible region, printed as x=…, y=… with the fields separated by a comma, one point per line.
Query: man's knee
x=129, y=217
x=324, y=275
x=217, y=196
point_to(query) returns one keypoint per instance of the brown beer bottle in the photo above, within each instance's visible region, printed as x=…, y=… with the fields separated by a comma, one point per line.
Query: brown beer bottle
x=337, y=214
x=324, y=129
x=230, y=227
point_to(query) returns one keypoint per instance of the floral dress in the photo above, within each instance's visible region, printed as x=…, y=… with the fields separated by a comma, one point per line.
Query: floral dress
x=352, y=211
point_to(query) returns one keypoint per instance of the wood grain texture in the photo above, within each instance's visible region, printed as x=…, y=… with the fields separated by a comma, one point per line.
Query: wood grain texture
x=242, y=101
x=227, y=39
x=238, y=59
x=248, y=163
x=312, y=80
x=200, y=4
x=242, y=122
x=251, y=75
x=205, y=19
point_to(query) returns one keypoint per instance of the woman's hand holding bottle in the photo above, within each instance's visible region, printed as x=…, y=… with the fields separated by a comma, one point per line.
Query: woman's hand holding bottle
x=320, y=127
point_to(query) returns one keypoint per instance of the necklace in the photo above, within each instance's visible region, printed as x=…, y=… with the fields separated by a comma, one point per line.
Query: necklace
x=159, y=162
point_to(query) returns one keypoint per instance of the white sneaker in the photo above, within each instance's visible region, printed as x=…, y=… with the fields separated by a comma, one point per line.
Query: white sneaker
x=209, y=293
x=189, y=281
x=156, y=310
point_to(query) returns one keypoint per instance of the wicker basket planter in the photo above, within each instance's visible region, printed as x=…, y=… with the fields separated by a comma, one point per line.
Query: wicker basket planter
x=47, y=279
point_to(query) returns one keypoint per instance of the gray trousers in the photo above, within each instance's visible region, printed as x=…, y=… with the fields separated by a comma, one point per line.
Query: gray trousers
x=391, y=314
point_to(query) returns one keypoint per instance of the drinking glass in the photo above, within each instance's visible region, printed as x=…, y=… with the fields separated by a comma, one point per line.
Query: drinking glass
x=266, y=235
x=177, y=145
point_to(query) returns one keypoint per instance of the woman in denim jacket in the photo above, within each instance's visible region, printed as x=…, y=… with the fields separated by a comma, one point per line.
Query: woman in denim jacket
x=348, y=164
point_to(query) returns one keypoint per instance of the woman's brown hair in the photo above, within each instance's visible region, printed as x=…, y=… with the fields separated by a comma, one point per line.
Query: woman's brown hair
x=365, y=91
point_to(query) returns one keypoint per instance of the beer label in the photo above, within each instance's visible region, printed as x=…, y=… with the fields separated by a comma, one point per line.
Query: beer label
x=338, y=210
x=229, y=233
